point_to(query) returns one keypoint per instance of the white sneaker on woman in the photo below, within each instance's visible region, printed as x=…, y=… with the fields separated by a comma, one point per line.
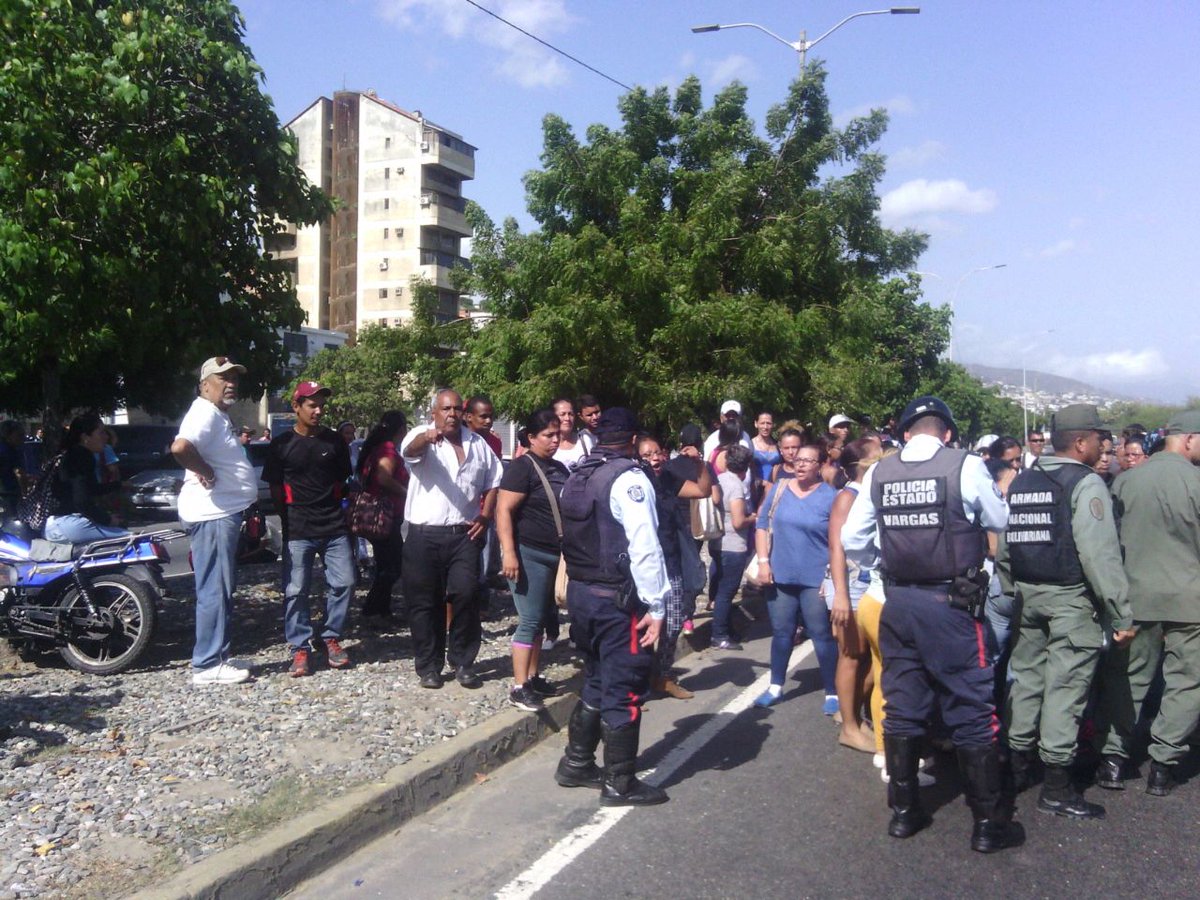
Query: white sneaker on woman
x=221, y=673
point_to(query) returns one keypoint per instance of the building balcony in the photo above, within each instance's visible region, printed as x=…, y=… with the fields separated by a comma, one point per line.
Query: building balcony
x=437, y=266
x=442, y=150
x=443, y=211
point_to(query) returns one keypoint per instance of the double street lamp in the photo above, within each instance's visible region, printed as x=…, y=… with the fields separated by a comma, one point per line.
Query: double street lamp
x=803, y=45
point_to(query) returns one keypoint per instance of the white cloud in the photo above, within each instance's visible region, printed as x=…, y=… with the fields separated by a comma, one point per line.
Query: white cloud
x=1067, y=245
x=520, y=59
x=900, y=105
x=922, y=154
x=735, y=67
x=922, y=200
x=1126, y=365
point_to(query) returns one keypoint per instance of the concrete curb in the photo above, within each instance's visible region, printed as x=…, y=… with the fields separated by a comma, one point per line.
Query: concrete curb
x=276, y=861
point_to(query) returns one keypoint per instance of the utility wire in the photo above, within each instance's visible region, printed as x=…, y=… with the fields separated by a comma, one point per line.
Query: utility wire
x=549, y=45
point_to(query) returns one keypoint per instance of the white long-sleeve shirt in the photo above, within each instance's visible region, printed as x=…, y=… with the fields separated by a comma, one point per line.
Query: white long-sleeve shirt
x=631, y=502
x=982, y=501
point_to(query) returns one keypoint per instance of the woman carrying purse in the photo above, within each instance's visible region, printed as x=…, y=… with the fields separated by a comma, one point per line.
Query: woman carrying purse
x=528, y=525
x=382, y=474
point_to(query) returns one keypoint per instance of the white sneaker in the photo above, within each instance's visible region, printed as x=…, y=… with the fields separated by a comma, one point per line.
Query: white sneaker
x=222, y=673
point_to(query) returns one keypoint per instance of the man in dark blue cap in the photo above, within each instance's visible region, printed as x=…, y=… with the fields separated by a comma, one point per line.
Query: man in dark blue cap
x=928, y=508
x=618, y=587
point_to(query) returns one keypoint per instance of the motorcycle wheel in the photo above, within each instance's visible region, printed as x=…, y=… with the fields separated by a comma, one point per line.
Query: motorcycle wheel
x=114, y=641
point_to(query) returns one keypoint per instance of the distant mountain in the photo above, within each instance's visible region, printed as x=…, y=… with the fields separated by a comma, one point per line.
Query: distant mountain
x=1044, y=381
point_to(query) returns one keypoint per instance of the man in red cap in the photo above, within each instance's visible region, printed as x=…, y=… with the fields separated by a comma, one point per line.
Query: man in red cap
x=307, y=467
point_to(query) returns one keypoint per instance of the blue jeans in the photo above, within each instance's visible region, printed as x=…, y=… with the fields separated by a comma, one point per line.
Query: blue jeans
x=729, y=579
x=298, y=558
x=76, y=529
x=533, y=593
x=788, y=604
x=214, y=560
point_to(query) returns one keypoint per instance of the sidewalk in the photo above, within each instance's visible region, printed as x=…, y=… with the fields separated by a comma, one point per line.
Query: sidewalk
x=115, y=785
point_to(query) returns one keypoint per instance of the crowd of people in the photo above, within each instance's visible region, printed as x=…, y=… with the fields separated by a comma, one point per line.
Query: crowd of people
x=1018, y=600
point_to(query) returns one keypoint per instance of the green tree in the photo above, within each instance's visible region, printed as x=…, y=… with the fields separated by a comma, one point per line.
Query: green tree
x=683, y=258
x=142, y=170
x=388, y=368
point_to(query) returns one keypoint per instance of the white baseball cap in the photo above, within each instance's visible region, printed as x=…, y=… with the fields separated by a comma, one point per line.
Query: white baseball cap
x=217, y=364
x=731, y=406
x=986, y=441
x=839, y=419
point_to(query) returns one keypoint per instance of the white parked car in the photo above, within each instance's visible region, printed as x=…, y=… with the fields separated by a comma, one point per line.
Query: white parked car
x=156, y=489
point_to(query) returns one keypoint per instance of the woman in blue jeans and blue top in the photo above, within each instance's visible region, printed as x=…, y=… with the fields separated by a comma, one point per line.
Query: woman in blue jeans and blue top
x=736, y=543
x=793, y=553
x=529, y=551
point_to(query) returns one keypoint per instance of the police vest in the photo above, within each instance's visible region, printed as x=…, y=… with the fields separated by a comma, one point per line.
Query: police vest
x=1041, y=542
x=924, y=534
x=593, y=540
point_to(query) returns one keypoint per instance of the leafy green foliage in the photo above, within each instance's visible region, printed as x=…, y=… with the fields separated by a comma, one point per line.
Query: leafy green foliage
x=141, y=170
x=684, y=258
x=1149, y=415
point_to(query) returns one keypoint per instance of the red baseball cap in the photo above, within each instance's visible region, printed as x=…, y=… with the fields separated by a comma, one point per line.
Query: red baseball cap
x=309, y=389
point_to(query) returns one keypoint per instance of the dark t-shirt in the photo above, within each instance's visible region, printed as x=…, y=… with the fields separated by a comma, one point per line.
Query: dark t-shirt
x=673, y=511
x=312, y=472
x=533, y=521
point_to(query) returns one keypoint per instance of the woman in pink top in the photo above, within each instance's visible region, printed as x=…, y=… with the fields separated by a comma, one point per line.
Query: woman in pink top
x=381, y=471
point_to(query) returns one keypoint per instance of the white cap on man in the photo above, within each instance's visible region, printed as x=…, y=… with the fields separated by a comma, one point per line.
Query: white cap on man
x=217, y=364
x=839, y=419
x=731, y=406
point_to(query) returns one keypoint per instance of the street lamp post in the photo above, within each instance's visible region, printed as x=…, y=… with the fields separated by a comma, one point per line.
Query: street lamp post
x=1024, y=387
x=803, y=45
x=954, y=297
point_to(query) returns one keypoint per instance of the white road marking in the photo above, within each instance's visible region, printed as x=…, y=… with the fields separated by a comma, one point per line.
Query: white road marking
x=574, y=844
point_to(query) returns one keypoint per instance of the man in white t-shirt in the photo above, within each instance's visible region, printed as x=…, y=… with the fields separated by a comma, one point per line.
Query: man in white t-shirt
x=453, y=479
x=218, y=487
x=731, y=411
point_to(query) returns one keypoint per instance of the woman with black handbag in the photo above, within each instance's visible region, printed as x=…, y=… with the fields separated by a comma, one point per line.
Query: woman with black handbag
x=384, y=479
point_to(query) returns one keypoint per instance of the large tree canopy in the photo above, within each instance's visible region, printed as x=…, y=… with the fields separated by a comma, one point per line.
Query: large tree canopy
x=684, y=258
x=142, y=169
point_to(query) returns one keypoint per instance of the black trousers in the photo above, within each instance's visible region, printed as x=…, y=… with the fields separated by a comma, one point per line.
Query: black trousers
x=388, y=555
x=441, y=565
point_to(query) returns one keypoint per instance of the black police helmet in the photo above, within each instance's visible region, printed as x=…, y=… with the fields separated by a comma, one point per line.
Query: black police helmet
x=927, y=405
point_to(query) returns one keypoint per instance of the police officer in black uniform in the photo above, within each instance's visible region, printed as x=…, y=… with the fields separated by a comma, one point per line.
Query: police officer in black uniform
x=928, y=507
x=616, y=596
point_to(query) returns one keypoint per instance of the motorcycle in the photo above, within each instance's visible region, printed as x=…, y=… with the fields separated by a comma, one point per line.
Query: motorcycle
x=96, y=603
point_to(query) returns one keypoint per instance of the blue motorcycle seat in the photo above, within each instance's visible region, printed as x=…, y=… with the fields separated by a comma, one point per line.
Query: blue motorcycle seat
x=52, y=551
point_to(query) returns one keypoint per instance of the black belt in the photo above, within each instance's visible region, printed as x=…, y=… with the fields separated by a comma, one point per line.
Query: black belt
x=931, y=585
x=460, y=528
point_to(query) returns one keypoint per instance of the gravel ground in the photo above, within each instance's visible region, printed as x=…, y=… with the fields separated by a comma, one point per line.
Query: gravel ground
x=111, y=783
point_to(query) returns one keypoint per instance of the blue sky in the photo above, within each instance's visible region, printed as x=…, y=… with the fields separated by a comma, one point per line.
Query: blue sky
x=1057, y=137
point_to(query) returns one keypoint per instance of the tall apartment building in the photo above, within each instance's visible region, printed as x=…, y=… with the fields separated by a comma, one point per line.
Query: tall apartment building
x=398, y=178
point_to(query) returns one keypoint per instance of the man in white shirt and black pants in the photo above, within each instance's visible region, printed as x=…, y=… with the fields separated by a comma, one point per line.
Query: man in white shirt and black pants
x=451, y=468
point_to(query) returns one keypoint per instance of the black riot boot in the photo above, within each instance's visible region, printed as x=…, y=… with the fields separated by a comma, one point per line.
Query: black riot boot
x=621, y=784
x=903, y=756
x=578, y=768
x=1060, y=797
x=1022, y=768
x=1160, y=781
x=994, y=829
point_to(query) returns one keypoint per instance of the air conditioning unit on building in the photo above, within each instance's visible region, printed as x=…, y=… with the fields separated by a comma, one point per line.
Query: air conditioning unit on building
x=426, y=199
x=399, y=170
x=399, y=232
x=383, y=266
x=424, y=146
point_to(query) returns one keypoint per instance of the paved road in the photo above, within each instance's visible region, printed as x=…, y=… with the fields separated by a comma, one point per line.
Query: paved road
x=768, y=806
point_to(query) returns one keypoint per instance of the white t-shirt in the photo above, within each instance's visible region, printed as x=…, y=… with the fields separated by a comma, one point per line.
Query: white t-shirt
x=442, y=492
x=573, y=457
x=210, y=431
